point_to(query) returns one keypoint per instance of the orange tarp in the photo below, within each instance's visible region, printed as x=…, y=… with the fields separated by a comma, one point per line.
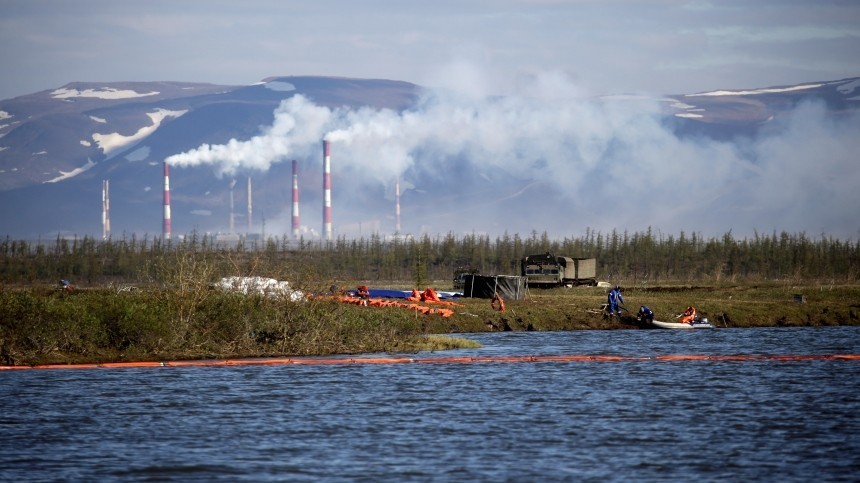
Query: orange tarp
x=380, y=302
x=430, y=295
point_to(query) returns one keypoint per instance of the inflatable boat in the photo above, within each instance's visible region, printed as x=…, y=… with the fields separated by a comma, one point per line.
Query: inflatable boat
x=702, y=323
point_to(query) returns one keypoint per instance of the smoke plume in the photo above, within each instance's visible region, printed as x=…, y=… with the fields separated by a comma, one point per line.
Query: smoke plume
x=554, y=160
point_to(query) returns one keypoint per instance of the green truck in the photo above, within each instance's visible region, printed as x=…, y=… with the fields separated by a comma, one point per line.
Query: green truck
x=547, y=270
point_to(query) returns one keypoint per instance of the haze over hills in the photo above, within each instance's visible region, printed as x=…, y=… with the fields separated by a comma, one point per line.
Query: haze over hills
x=549, y=160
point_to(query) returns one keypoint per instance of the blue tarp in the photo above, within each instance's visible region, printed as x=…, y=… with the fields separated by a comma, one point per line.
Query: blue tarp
x=388, y=293
x=385, y=293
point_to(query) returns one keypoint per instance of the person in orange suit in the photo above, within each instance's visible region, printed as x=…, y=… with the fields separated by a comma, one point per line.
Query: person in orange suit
x=689, y=315
x=497, y=303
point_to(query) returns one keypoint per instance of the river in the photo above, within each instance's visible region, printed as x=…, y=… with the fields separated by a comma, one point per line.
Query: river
x=627, y=420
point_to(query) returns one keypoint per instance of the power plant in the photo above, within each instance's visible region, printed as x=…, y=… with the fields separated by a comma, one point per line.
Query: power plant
x=327, y=229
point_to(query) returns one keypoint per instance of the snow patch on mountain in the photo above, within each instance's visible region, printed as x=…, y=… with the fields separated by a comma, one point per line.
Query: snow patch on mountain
x=71, y=174
x=848, y=88
x=681, y=105
x=138, y=154
x=110, y=143
x=280, y=86
x=103, y=93
x=772, y=90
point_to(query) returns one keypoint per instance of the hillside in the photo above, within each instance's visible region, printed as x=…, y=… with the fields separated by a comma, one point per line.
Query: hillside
x=505, y=168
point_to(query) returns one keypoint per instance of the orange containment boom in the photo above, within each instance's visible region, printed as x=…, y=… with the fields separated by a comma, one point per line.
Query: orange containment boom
x=446, y=360
x=380, y=302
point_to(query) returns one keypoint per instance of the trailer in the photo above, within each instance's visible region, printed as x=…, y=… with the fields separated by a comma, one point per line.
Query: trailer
x=547, y=270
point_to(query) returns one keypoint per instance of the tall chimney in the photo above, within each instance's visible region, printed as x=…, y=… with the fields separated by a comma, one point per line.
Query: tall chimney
x=397, y=207
x=166, y=203
x=326, y=190
x=295, y=199
x=232, y=226
x=105, y=209
x=249, y=204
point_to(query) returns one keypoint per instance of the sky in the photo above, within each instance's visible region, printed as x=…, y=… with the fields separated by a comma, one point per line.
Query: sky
x=491, y=47
x=513, y=89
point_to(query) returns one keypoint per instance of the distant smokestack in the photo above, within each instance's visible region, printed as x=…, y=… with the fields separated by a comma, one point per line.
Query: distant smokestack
x=295, y=199
x=249, y=204
x=232, y=226
x=397, y=206
x=326, y=190
x=105, y=209
x=166, y=203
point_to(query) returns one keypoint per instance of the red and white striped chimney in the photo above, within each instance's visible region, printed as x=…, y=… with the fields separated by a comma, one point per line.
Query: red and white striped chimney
x=105, y=209
x=397, y=207
x=249, y=204
x=232, y=225
x=326, y=190
x=295, y=199
x=166, y=203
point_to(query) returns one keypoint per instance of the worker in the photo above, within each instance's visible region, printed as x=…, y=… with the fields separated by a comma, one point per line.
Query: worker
x=66, y=286
x=363, y=294
x=689, y=315
x=614, y=298
x=645, y=315
x=497, y=303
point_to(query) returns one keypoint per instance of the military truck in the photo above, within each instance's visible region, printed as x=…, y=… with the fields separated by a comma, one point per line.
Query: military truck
x=547, y=270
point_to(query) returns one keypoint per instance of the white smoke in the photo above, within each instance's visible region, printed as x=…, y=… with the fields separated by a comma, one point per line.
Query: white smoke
x=298, y=124
x=594, y=163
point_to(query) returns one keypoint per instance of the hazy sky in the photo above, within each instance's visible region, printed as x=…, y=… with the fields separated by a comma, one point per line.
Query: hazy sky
x=604, y=46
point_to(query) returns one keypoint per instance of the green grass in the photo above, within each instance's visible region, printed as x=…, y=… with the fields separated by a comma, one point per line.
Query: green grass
x=40, y=325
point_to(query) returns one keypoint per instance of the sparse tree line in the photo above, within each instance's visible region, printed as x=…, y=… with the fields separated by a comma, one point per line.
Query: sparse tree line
x=626, y=258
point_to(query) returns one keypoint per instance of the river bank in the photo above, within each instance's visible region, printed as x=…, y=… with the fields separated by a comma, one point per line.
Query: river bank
x=40, y=325
x=766, y=304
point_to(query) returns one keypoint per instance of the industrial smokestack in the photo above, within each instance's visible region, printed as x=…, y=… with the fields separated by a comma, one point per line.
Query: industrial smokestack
x=166, y=203
x=295, y=199
x=232, y=227
x=249, y=204
x=326, y=190
x=397, y=207
x=105, y=209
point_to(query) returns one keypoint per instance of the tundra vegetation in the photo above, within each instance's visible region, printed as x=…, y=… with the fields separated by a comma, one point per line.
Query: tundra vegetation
x=152, y=299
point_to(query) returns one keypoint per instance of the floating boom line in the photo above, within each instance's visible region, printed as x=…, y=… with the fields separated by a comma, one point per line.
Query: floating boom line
x=304, y=361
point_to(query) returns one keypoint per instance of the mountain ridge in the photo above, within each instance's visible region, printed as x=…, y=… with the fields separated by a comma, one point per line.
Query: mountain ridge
x=57, y=145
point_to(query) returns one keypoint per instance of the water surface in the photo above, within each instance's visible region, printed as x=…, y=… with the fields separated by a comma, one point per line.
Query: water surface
x=633, y=420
